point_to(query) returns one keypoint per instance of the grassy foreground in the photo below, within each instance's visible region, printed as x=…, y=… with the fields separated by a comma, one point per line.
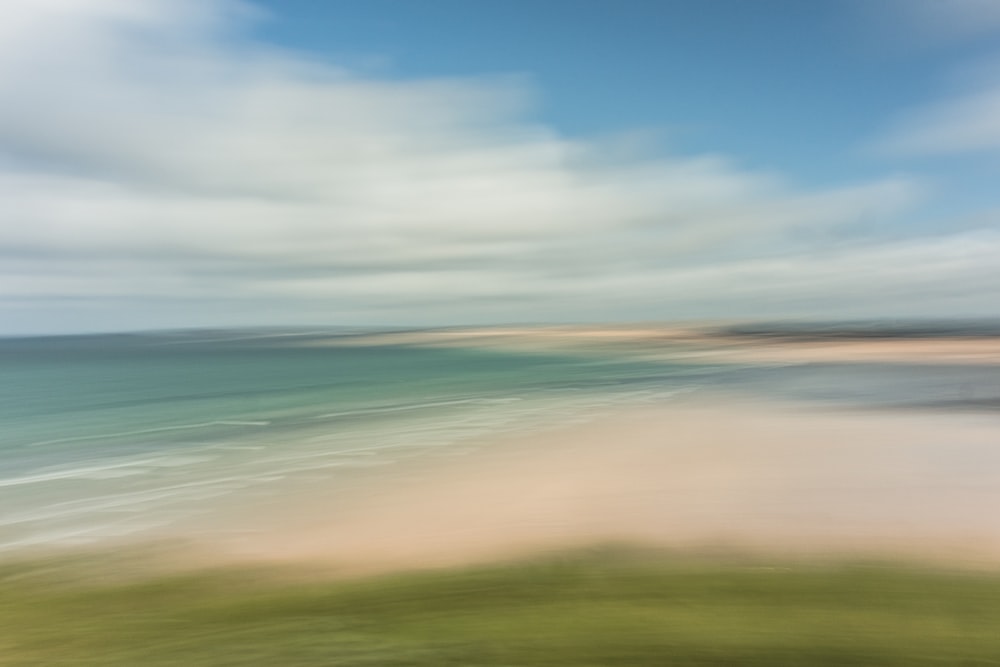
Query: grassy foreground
x=580, y=610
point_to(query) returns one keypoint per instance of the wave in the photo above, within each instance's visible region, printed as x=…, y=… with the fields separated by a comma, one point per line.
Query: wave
x=97, y=471
x=159, y=429
x=403, y=407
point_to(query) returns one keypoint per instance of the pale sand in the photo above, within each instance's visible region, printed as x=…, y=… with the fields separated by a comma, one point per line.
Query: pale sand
x=979, y=351
x=675, y=342
x=749, y=477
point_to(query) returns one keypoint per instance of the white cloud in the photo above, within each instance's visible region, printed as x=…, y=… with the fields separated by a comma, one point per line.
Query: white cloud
x=967, y=120
x=970, y=123
x=945, y=19
x=159, y=167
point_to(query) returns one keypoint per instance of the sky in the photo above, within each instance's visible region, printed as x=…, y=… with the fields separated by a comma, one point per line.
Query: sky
x=226, y=163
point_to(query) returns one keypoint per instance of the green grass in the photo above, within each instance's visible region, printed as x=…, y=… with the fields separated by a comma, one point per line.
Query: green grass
x=581, y=609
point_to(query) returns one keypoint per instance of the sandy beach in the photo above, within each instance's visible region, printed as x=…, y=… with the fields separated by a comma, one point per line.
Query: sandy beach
x=703, y=342
x=695, y=475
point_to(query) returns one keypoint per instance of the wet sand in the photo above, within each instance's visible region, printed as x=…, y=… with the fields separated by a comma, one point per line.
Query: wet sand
x=699, y=475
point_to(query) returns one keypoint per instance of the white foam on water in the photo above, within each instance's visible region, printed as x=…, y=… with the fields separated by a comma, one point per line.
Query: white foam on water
x=106, y=470
x=234, y=422
x=85, y=535
x=144, y=431
x=314, y=456
x=413, y=406
x=135, y=501
x=71, y=473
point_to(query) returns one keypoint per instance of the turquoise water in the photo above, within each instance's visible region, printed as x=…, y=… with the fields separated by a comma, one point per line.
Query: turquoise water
x=110, y=436
x=135, y=436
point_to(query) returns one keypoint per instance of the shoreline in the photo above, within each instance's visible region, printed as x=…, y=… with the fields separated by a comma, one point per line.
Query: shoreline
x=694, y=475
x=701, y=343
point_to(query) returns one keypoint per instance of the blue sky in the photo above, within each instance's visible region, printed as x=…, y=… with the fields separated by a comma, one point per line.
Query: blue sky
x=783, y=84
x=174, y=163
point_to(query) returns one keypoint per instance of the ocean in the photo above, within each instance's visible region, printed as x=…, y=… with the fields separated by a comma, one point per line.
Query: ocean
x=107, y=438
